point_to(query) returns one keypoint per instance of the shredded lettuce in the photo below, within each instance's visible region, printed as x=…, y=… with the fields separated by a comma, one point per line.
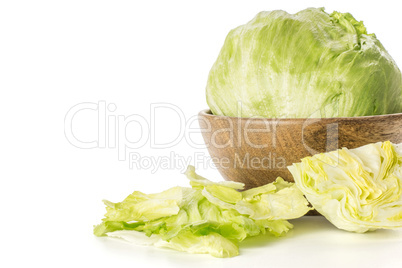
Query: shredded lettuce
x=208, y=218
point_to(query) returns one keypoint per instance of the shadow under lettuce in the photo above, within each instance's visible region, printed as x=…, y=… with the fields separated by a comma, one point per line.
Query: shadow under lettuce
x=319, y=229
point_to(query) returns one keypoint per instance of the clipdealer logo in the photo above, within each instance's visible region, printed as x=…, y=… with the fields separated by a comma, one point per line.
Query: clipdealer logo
x=113, y=133
x=112, y=128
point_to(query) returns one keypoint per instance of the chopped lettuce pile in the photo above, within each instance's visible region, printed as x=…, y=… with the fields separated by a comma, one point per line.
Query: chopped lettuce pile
x=357, y=190
x=278, y=62
x=209, y=217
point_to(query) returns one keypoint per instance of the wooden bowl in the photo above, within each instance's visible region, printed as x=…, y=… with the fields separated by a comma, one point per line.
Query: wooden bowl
x=256, y=151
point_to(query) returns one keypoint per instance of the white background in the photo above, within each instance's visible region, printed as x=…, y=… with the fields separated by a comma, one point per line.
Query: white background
x=57, y=54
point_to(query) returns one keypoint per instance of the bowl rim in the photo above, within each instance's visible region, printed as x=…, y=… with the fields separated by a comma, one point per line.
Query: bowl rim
x=208, y=113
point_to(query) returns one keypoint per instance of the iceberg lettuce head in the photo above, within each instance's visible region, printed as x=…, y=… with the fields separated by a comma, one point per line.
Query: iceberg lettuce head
x=308, y=64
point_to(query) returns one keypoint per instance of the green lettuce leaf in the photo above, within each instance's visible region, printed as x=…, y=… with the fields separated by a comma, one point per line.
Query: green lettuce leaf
x=282, y=201
x=357, y=190
x=142, y=207
x=210, y=217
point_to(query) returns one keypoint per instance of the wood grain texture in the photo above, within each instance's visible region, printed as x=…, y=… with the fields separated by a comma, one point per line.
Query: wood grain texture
x=256, y=151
